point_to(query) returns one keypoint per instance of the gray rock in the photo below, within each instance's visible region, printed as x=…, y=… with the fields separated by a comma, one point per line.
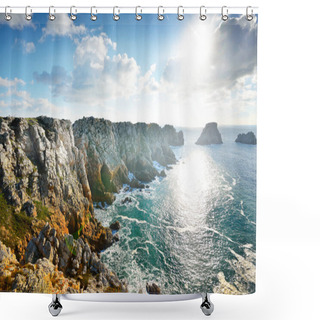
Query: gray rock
x=125, y=200
x=247, y=138
x=173, y=137
x=210, y=135
x=116, y=237
x=73, y=258
x=30, y=209
x=113, y=149
x=162, y=174
x=153, y=288
x=115, y=225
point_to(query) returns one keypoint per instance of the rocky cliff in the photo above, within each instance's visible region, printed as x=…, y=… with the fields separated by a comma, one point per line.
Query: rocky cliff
x=113, y=150
x=210, y=135
x=56, y=264
x=50, y=173
x=172, y=137
x=247, y=138
x=43, y=178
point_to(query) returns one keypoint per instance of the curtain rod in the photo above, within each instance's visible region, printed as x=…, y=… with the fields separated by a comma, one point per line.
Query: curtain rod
x=120, y=9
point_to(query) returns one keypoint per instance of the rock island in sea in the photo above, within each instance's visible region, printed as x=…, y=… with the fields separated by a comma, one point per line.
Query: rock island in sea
x=210, y=135
x=247, y=138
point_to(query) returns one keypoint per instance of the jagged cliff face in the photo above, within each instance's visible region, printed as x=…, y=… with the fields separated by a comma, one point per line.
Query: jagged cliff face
x=172, y=137
x=43, y=174
x=50, y=172
x=112, y=150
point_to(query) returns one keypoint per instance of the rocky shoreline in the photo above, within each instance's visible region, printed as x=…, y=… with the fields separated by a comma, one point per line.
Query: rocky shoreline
x=112, y=151
x=51, y=172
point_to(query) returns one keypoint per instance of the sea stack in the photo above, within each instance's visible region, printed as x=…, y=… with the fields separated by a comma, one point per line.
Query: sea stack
x=247, y=138
x=210, y=135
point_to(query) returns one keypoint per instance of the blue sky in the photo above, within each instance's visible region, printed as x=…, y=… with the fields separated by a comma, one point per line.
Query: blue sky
x=185, y=72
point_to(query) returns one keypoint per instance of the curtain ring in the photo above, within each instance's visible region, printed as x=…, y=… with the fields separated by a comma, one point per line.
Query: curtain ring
x=6, y=14
x=203, y=13
x=160, y=16
x=138, y=16
x=93, y=16
x=51, y=16
x=224, y=13
x=180, y=14
x=249, y=16
x=28, y=15
x=116, y=16
x=72, y=15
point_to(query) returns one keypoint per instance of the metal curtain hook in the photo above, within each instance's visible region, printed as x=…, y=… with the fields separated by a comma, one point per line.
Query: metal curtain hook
x=138, y=16
x=249, y=16
x=6, y=14
x=180, y=14
x=224, y=13
x=51, y=16
x=203, y=13
x=160, y=16
x=72, y=15
x=27, y=14
x=93, y=16
x=116, y=16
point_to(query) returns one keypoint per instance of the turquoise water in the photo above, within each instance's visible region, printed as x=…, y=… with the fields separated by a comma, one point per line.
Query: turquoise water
x=178, y=232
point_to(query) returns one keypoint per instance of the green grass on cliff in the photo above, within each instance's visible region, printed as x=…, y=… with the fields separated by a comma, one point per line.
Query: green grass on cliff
x=43, y=212
x=32, y=121
x=13, y=226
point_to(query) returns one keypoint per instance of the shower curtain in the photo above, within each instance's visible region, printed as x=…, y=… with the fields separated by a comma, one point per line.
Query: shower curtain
x=128, y=153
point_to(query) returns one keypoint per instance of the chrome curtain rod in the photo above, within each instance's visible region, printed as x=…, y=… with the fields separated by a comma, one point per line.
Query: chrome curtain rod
x=133, y=10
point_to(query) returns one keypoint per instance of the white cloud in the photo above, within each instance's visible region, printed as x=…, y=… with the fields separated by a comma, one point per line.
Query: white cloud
x=17, y=102
x=18, y=22
x=99, y=75
x=93, y=50
x=212, y=75
x=28, y=47
x=58, y=80
x=5, y=82
x=62, y=26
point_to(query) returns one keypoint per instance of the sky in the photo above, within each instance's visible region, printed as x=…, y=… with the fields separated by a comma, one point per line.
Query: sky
x=186, y=73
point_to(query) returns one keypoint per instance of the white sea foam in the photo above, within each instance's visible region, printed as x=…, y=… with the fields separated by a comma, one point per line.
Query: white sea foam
x=131, y=176
x=242, y=213
x=241, y=208
x=158, y=166
x=134, y=220
x=222, y=235
x=138, y=208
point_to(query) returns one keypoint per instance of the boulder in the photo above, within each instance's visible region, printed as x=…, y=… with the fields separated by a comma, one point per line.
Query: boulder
x=116, y=237
x=126, y=200
x=30, y=209
x=73, y=258
x=162, y=173
x=115, y=225
x=153, y=288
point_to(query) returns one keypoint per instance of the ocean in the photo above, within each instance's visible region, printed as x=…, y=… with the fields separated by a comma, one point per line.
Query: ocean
x=178, y=232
